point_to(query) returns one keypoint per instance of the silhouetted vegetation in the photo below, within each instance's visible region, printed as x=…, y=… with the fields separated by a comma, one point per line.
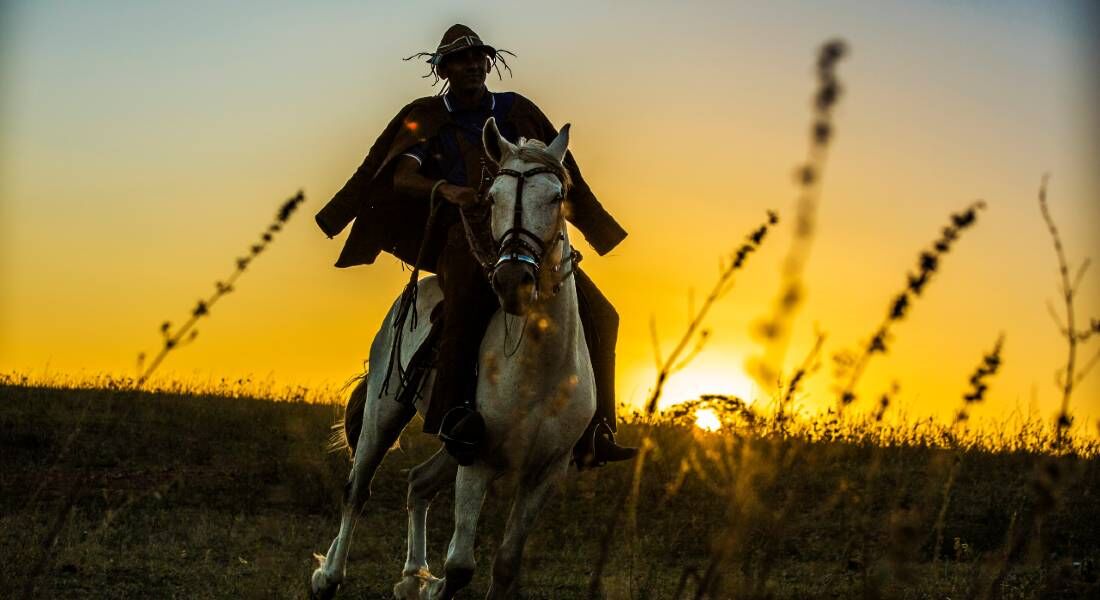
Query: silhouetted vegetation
x=1067, y=323
x=774, y=330
x=203, y=496
x=676, y=360
x=186, y=333
x=850, y=366
x=887, y=535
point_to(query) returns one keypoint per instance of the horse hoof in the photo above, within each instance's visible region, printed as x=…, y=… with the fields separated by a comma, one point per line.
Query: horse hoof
x=434, y=589
x=408, y=588
x=319, y=589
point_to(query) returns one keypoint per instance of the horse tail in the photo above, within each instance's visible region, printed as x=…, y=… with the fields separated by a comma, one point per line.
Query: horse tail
x=345, y=431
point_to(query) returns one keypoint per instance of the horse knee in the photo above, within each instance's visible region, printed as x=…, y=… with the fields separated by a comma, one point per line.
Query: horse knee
x=427, y=479
x=419, y=486
x=356, y=493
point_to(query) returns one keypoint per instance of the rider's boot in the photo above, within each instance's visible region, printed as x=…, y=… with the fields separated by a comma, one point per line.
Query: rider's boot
x=597, y=445
x=609, y=451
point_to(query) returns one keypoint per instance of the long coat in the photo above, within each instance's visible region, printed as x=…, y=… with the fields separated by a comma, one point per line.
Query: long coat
x=386, y=220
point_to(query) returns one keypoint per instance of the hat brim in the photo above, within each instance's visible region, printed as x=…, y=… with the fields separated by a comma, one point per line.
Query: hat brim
x=437, y=59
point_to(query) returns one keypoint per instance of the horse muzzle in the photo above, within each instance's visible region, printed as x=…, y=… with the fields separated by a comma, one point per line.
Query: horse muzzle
x=514, y=280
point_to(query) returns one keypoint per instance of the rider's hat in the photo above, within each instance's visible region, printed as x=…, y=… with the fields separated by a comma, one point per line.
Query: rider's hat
x=457, y=38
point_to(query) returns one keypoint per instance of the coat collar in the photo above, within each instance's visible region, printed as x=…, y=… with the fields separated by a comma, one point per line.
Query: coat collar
x=488, y=102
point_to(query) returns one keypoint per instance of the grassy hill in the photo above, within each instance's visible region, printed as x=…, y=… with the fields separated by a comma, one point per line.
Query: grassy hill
x=118, y=494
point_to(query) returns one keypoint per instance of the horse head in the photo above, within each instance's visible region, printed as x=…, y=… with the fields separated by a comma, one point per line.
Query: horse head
x=528, y=215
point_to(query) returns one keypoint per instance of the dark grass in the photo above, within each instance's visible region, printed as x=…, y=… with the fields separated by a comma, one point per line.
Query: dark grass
x=200, y=496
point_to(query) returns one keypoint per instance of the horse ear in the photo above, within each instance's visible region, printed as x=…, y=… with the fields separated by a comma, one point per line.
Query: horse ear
x=495, y=144
x=560, y=143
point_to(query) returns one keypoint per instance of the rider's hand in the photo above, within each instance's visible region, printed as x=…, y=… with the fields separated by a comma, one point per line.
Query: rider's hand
x=458, y=194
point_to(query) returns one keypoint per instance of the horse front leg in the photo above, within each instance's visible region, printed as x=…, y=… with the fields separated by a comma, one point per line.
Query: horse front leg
x=531, y=495
x=471, y=486
x=383, y=421
x=426, y=480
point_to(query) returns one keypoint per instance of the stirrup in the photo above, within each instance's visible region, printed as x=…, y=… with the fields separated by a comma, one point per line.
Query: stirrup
x=608, y=450
x=462, y=430
x=588, y=453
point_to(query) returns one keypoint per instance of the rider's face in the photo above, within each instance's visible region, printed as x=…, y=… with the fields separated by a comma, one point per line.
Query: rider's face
x=466, y=69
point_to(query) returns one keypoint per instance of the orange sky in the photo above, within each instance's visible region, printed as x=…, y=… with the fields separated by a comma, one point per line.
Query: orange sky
x=145, y=145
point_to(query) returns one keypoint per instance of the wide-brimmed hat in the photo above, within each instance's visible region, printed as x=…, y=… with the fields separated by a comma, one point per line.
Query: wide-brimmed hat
x=457, y=38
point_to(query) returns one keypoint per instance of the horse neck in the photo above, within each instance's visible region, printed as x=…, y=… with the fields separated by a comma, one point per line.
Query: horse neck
x=560, y=334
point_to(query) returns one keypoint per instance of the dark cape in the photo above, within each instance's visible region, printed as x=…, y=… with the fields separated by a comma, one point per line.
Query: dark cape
x=386, y=220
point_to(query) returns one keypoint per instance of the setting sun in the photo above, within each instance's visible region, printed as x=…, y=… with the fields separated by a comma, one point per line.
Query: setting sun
x=715, y=378
x=707, y=420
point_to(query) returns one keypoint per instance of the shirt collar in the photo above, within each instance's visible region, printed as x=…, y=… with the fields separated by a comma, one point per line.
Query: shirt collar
x=488, y=102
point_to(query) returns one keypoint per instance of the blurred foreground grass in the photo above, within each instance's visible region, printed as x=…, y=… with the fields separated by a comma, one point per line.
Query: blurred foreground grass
x=178, y=495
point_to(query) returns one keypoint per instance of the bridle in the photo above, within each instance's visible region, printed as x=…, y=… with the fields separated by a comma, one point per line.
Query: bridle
x=521, y=245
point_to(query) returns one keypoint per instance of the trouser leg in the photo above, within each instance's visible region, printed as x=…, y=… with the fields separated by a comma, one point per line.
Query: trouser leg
x=601, y=331
x=468, y=306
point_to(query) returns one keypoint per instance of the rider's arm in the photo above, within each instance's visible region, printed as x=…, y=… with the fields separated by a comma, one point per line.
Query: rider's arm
x=408, y=180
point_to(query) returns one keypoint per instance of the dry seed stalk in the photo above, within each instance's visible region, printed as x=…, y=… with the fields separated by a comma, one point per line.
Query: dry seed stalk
x=928, y=263
x=1068, y=328
x=673, y=363
x=774, y=330
x=187, y=332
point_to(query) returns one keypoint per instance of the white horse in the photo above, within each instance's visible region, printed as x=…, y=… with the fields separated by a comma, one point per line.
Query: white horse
x=535, y=389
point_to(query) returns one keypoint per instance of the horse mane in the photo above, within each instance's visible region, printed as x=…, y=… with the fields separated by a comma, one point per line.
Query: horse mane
x=535, y=151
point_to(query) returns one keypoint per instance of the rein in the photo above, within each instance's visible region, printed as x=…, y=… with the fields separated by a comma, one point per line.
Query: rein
x=406, y=307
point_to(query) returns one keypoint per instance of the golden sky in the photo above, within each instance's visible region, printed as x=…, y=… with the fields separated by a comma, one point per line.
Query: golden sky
x=143, y=146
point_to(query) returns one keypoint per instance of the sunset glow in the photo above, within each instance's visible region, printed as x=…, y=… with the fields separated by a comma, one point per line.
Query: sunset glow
x=835, y=333
x=137, y=166
x=707, y=420
x=704, y=379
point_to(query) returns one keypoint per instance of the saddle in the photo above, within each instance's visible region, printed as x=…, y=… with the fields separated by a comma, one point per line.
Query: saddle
x=410, y=385
x=422, y=362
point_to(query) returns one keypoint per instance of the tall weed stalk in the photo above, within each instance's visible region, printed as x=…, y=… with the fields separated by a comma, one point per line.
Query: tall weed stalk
x=186, y=333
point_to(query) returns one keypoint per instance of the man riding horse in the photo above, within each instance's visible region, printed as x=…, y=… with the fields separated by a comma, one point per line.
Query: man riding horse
x=432, y=151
